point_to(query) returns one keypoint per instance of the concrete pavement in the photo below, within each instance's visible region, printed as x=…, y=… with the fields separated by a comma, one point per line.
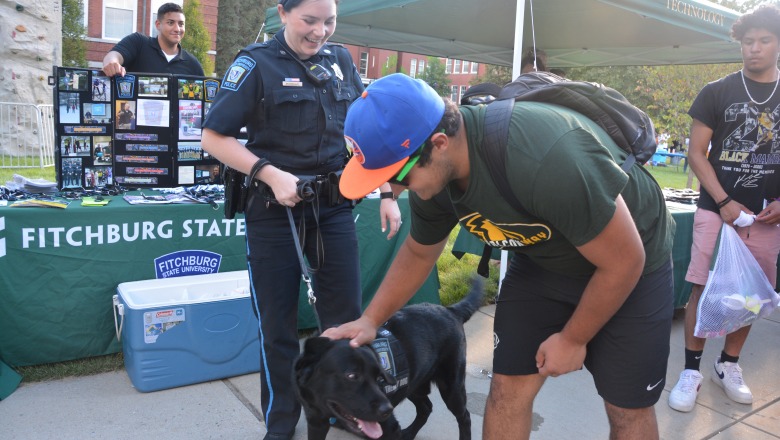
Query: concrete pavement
x=107, y=406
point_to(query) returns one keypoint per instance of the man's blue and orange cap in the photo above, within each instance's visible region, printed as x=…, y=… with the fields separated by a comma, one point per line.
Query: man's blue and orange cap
x=392, y=119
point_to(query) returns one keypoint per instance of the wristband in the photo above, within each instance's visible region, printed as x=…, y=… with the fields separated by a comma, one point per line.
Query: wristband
x=255, y=169
x=387, y=195
x=724, y=202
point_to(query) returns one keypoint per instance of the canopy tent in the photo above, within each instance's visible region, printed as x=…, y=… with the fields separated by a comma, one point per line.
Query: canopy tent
x=572, y=32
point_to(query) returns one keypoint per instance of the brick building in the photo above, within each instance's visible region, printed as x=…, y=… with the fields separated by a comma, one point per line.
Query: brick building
x=371, y=61
x=108, y=21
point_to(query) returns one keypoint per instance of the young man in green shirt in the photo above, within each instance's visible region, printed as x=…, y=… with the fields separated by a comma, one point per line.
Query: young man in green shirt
x=590, y=283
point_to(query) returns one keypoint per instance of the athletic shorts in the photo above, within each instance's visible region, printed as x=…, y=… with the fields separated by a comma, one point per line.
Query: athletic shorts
x=762, y=240
x=628, y=356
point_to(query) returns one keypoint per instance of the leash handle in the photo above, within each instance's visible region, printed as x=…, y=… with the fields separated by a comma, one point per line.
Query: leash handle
x=304, y=270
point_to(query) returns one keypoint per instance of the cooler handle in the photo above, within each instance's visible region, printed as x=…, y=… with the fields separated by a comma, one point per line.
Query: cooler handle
x=121, y=307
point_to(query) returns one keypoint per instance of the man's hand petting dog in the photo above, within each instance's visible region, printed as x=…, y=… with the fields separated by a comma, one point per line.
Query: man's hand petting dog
x=359, y=332
x=355, y=387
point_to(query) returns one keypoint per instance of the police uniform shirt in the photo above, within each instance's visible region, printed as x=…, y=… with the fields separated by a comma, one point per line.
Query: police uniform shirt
x=142, y=53
x=295, y=123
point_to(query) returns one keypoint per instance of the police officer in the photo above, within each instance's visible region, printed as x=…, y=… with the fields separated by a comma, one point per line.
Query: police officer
x=292, y=94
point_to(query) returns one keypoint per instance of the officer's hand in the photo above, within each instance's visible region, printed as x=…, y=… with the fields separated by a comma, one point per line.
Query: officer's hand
x=558, y=355
x=390, y=216
x=114, y=68
x=284, y=186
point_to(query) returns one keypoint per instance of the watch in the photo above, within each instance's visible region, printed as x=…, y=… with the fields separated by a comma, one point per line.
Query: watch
x=387, y=195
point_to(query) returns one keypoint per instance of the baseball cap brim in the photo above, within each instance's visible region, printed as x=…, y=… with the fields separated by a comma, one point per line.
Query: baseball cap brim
x=356, y=181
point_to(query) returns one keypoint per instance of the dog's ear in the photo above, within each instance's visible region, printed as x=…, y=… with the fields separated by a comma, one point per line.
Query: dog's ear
x=389, y=379
x=313, y=349
x=317, y=346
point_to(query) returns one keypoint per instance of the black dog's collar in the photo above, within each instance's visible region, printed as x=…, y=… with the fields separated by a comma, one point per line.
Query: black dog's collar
x=392, y=358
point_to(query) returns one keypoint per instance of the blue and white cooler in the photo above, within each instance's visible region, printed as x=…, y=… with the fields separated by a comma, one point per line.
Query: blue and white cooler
x=186, y=330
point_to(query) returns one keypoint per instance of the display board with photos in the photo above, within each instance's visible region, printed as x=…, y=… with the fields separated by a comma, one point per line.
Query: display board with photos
x=83, y=122
x=140, y=130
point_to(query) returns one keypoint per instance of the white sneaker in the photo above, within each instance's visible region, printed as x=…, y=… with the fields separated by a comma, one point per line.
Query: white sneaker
x=729, y=376
x=683, y=395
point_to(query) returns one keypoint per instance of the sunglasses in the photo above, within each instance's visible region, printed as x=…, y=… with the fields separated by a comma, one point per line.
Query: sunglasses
x=400, y=178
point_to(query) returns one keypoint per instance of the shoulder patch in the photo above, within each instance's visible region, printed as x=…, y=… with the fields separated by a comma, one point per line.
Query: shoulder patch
x=238, y=72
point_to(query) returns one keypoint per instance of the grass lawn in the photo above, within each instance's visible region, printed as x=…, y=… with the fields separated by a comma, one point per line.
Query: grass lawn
x=672, y=177
x=48, y=173
x=454, y=275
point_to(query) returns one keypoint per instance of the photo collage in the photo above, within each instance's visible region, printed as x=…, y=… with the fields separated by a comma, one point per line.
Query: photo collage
x=83, y=128
x=140, y=130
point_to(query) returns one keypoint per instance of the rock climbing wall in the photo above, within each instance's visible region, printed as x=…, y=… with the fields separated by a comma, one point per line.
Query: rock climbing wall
x=30, y=44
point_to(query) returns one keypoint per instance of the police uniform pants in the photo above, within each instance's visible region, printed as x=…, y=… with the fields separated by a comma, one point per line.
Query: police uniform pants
x=275, y=272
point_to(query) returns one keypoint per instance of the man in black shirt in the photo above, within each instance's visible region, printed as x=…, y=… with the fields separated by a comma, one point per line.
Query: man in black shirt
x=163, y=54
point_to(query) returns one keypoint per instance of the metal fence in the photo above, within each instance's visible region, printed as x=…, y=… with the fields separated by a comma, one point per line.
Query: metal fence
x=26, y=135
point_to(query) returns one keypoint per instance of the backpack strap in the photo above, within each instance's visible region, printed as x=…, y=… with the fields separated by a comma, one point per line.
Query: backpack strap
x=493, y=149
x=494, y=141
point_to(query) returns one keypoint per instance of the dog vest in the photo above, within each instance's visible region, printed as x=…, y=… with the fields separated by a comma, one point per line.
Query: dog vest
x=393, y=359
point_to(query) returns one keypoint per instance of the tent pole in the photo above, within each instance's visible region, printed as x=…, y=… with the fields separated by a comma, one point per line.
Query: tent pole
x=516, y=56
x=518, y=52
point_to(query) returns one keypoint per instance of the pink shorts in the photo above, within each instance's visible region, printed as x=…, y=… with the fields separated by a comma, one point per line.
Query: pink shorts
x=762, y=240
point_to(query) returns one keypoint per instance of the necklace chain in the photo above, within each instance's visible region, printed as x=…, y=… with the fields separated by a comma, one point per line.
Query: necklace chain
x=742, y=74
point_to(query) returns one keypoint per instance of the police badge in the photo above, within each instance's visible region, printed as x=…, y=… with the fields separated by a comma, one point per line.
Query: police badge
x=212, y=86
x=125, y=86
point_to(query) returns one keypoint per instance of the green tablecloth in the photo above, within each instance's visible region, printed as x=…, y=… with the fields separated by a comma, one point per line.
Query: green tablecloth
x=681, y=250
x=59, y=268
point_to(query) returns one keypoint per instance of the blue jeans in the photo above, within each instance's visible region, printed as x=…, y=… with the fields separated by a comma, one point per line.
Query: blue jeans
x=275, y=273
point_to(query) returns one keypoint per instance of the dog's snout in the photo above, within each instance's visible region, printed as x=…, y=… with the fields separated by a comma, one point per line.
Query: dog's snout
x=384, y=410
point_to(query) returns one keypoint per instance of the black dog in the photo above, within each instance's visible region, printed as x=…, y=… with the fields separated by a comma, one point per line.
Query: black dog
x=355, y=387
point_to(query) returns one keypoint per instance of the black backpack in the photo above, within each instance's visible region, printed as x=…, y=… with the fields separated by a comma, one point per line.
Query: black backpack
x=630, y=128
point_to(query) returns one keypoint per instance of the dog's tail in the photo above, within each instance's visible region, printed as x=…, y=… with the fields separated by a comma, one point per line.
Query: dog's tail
x=469, y=305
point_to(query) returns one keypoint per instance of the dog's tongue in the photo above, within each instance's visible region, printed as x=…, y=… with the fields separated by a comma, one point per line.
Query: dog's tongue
x=370, y=429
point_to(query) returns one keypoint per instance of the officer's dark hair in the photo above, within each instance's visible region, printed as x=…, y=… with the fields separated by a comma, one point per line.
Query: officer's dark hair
x=766, y=16
x=166, y=8
x=449, y=125
x=289, y=5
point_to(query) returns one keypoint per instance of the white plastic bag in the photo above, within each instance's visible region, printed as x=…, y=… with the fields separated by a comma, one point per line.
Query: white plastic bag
x=737, y=290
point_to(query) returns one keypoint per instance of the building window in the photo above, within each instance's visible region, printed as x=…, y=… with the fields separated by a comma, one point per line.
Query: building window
x=421, y=67
x=119, y=18
x=363, y=64
x=454, y=94
x=463, y=90
x=153, y=30
x=474, y=67
x=456, y=67
x=413, y=69
x=448, y=66
x=465, y=67
x=154, y=6
x=85, y=15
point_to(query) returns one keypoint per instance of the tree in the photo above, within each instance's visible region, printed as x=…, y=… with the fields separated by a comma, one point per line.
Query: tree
x=74, y=50
x=436, y=77
x=669, y=91
x=198, y=40
x=496, y=74
x=238, y=26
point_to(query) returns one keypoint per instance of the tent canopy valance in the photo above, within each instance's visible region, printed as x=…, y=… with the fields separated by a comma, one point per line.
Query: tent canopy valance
x=572, y=32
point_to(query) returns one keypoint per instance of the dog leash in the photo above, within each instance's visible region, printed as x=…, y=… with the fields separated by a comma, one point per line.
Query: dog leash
x=304, y=269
